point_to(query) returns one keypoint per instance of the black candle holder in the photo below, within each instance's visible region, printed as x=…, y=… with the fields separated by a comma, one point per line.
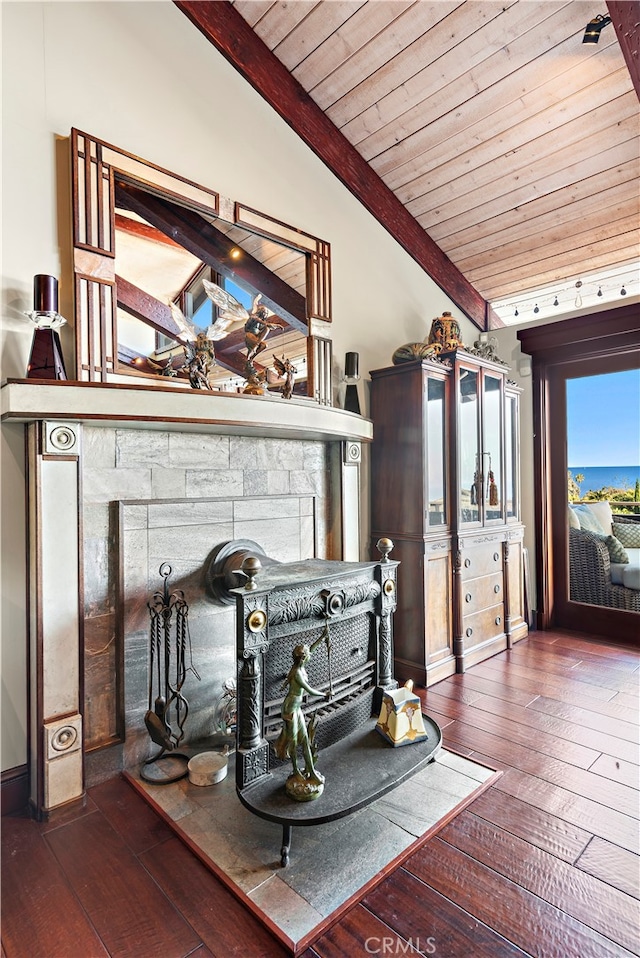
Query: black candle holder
x=46, y=360
x=351, y=377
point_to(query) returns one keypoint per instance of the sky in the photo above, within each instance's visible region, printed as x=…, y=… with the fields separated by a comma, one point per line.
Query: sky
x=603, y=420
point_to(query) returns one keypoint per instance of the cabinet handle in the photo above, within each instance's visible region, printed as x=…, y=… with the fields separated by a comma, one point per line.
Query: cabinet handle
x=467, y=597
x=467, y=563
x=498, y=620
x=496, y=589
x=469, y=633
x=496, y=556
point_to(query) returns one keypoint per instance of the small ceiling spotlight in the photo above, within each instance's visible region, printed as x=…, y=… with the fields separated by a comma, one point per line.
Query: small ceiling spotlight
x=599, y=293
x=516, y=312
x=536, y=308
x=623, y=291
x=555, y=302
x=235, y=253
x=594, y=28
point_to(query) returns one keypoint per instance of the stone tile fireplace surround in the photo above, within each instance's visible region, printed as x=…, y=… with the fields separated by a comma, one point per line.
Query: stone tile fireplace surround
x=116, y=491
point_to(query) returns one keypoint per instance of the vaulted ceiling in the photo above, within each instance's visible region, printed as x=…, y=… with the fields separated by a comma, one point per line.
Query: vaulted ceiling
x=501, y=151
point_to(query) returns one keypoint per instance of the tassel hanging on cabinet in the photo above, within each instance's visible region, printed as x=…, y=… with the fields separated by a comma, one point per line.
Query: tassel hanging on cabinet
x=493, y=490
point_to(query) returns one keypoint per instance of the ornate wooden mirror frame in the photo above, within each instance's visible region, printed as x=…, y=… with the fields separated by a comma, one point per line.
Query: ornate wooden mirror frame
x=106, y=177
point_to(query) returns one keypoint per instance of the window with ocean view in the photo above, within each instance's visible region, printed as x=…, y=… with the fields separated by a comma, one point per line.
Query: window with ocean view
x=603, y=437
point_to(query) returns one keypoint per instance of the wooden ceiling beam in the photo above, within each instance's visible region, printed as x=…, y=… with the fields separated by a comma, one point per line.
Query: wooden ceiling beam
x=124, y=224
x=625, y=16
x=145, y=307
x=226, y=29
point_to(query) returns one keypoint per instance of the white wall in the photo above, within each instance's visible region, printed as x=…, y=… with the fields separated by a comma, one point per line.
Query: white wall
x=140, y=76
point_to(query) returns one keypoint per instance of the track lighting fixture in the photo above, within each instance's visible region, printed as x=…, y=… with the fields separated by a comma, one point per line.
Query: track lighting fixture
x=594, y=28
x=578, y=302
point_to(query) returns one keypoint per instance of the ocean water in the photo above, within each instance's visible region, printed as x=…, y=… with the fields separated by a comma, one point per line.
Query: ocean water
x=598, y=477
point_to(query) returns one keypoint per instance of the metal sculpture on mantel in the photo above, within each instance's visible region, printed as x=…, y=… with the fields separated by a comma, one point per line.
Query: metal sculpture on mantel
x=199, y=346
x=168, y=708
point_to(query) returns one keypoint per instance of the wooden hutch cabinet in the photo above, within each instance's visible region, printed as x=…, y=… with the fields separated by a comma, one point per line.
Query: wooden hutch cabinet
x=445, y=488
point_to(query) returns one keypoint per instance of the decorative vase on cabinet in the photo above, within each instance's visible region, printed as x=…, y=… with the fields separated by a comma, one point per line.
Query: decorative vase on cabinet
x=445, y=489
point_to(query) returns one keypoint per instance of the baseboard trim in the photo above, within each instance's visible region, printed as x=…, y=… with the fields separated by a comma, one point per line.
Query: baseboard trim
x=14, y=787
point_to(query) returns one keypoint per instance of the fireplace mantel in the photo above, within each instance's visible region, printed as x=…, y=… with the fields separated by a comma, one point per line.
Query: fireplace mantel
x=155, y=407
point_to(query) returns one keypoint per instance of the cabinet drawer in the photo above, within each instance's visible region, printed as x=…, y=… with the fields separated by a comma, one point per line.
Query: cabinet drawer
x=481, y=626
x=483, y=561
x=482, y=593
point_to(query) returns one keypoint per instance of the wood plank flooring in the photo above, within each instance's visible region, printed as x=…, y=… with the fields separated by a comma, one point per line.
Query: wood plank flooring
x=544, y=863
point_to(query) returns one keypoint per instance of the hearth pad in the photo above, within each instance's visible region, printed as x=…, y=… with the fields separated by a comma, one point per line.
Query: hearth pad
x=335, y=864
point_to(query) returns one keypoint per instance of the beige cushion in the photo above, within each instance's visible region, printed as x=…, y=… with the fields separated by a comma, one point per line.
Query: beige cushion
x=587, y=519
x=574, y=522
x=627, y=574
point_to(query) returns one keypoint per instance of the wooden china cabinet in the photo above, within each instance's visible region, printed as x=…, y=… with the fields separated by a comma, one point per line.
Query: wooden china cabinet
x=445, y=488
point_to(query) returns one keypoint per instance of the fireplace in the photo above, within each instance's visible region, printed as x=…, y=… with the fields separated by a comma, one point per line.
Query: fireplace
x=122, y=479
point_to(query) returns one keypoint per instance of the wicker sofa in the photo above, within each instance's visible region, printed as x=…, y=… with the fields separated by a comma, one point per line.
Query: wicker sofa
x=590, y=572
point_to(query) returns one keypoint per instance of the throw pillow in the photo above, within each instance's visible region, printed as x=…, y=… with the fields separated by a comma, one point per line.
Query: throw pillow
x=628, y=533
x=602, y=512
x=587, y=520
x=574, y=522
x=617, y=552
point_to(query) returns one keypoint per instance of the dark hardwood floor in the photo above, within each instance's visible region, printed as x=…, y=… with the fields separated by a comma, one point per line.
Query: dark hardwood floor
x=544, y=863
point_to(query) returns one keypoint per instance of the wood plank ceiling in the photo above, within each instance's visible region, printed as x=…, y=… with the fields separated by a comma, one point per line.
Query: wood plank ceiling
x=512, y=144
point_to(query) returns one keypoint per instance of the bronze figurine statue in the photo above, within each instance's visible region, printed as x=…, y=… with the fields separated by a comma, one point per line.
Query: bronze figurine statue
x=257, y=325
x=199, y=348
x=308, y=784
x=200, y=358
x=287, y=371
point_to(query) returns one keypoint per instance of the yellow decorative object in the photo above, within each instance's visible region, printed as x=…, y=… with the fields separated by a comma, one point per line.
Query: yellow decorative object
x=400, y=719
x=445, y=335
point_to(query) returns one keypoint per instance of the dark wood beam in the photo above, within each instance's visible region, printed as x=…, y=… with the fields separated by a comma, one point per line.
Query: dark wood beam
x=201, y=238
x=226, y=29
x=625, y=16
x=125, y=224
x=146, y=307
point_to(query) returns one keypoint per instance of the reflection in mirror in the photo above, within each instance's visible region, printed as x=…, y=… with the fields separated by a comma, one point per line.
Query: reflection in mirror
x=150, y=249
x=154, y=271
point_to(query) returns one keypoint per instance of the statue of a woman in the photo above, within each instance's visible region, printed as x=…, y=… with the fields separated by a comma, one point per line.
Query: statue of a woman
x=306, y=785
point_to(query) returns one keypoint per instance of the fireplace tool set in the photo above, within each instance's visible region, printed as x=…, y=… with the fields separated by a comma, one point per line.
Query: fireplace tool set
x=168, y=708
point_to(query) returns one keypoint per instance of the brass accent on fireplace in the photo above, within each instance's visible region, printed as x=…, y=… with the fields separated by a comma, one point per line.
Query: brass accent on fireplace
x=257, y=621
x=389, y=587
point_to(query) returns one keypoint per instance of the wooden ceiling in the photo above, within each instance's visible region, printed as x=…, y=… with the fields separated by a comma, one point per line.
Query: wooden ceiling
x=505, y=140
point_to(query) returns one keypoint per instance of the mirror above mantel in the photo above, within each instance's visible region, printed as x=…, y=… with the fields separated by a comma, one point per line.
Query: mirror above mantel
x=146, y=241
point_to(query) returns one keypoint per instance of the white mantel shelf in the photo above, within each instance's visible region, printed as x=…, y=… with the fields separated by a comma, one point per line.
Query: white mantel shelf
x=155, y=407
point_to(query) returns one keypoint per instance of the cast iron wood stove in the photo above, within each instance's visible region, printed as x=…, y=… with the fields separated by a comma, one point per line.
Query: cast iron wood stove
x=288, y=604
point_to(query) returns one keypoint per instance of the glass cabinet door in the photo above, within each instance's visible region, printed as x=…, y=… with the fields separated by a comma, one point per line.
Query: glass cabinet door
x=492, y=492
x=469, y=464
x=436, y=453
x=511, y=464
